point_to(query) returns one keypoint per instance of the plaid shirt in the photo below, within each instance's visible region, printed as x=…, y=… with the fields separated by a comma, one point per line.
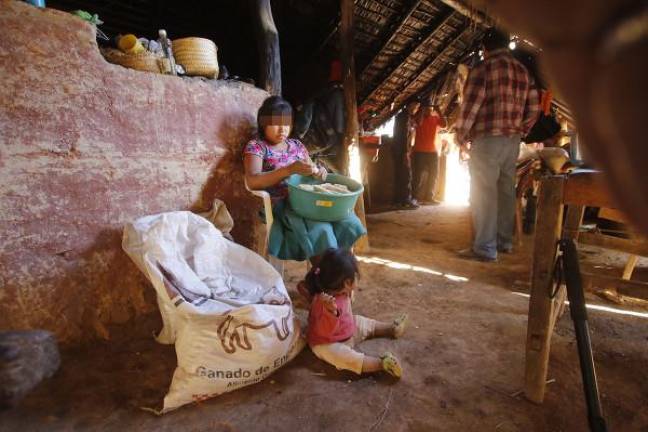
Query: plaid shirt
x=499, y=99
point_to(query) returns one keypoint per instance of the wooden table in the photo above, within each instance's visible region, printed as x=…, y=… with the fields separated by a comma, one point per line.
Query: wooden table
x=576, y=190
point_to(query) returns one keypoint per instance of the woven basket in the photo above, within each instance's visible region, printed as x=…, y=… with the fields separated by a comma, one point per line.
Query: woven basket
x=145, y=61
x=197, y=56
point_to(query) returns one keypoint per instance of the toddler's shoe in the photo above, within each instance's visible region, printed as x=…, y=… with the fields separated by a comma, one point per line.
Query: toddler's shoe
x=399, y=325
x=391, y=365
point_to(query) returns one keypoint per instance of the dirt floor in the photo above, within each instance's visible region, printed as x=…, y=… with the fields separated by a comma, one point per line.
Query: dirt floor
x=463, y=356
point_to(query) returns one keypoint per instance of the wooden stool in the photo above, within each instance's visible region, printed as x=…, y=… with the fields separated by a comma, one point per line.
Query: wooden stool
x=577, y=190
x=525, y=177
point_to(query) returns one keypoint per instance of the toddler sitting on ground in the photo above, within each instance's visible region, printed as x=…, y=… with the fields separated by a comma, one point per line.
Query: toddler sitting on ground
x=333, y=330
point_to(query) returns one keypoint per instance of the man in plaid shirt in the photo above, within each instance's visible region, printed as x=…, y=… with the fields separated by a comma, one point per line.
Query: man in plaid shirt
x=500, y=104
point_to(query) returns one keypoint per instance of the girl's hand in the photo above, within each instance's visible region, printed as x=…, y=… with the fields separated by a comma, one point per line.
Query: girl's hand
x=301, y=168
x=321, y=173
x=329, y=303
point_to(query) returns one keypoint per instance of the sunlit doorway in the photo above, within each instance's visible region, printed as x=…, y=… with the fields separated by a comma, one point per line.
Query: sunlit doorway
x=457, y=177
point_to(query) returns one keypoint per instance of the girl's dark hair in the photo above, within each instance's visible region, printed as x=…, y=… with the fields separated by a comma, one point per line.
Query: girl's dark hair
x=335, y=266
x=272, y=106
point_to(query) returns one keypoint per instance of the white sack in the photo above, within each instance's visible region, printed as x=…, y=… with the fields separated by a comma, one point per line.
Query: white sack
x=225, y=308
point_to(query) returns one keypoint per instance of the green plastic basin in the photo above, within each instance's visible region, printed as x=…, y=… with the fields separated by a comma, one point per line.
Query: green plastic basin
x=322, y=206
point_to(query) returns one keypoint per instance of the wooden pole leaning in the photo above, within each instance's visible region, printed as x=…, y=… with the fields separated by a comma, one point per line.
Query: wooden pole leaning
x=350, y=102
x=268, y=47
x=543, y=307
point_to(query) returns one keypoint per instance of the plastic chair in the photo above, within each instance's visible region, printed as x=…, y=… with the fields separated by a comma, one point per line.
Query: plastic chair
x=277, y=263
x=267, y=210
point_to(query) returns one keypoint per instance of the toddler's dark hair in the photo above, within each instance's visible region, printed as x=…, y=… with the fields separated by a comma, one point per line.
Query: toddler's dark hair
x=272, y=106
x=336, y=266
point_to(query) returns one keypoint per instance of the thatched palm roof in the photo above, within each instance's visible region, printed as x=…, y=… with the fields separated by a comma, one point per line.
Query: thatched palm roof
x=403, y=47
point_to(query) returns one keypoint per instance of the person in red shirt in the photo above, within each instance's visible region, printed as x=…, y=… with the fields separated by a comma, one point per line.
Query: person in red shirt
x=425, y=162
x=333, y=329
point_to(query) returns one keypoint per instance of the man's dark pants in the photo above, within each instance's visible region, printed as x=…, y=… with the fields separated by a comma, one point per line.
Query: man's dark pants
x=425, y=166
x=402, y=174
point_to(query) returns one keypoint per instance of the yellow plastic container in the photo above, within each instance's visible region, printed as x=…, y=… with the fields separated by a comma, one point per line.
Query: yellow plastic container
x=130, y=45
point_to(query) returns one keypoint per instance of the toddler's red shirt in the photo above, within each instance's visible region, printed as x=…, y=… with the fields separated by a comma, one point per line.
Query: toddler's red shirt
x=324, y=327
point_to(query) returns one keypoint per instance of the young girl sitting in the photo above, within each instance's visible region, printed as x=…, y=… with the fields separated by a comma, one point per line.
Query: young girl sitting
x=269, y=160
x=333, y=330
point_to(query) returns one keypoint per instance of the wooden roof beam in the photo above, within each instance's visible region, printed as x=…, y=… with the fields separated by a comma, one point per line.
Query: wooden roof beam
x=403, y=94
x=425, y=40
x=378, y=13
x=392, y=36
x=406, y=93
x=328, y=37
x=476, y=15
x=381, y=5
x=448, y=47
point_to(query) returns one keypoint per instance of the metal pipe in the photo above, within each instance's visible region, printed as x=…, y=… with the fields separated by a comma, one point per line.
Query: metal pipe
x=578, y=314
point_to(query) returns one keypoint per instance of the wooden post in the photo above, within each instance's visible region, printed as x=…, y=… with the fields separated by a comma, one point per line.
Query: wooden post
x=573, y=221
x=629, y=267
x=348, y=76
x=268, y=46
x=350, y=103
x=543, y=310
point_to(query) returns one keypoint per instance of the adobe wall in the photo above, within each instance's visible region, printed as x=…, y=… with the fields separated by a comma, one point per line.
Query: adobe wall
x=86, y=146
